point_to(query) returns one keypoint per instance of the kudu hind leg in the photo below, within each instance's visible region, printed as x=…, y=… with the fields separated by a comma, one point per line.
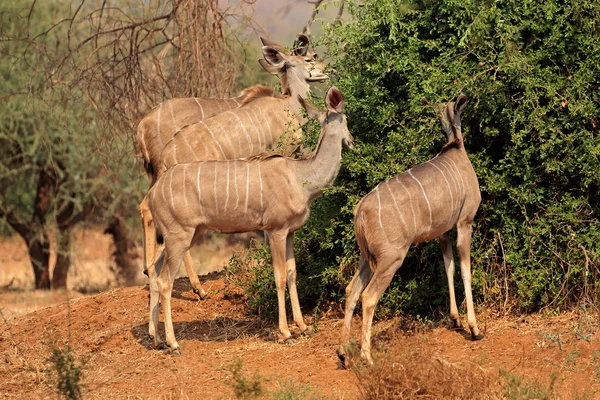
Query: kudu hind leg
x=175, y=249
x=193, y=276
x=463, y=245
x=353, y=290
x=149, y=234
x=290, y=267
x=446, y=246
x=383, y=275
x=153, y=272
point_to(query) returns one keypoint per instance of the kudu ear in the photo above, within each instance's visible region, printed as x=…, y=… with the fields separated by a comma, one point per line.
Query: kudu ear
x=273, y=56
x=312, y=110
x=270, y=43
x=334, y=100
x=273, y=70
x=301, y=45
x=460, y=103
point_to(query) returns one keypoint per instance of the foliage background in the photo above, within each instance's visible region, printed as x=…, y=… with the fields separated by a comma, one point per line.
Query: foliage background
x=530, y=71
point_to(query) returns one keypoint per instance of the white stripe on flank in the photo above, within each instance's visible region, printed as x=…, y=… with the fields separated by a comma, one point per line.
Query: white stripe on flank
x=459, y=175
x=235, y=185
x=162, y=188
x=247, y=185
x=396, y=207
x=411, y=204
x=379, y=211
x=224, y=134
x=245, y=132
x=256, y=134
x=426, y=199
x=171, y=189
x=174, y=151
x=236, y=102
x=184, y=194
x=183, y=136
x=198, y=185
x=158, y=126
x=261, y=131
x=214, y=139
x=201, y=108
x=447, y=184
x=448, y=169
x=261, y=187
x=268, y=124
x=173, y=116
x=228, y=103
x=227, y=188
x=143, y=145
x=215, y=188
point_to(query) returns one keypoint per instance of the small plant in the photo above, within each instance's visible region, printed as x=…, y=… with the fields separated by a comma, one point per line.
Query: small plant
x=292, y=390
x=66, y=372
x=516, y=388
x=250, y=271
x=242, y=387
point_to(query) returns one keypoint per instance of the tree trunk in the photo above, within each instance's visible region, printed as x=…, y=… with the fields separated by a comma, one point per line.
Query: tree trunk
x=124, y=254
x=63, y=260
x=39, y=254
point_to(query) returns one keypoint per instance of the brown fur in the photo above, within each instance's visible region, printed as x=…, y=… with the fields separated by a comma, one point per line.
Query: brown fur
x=256, y=92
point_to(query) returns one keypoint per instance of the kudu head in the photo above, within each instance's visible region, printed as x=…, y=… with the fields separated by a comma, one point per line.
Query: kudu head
x=449, y=115
x=301, y=64
x=333, y=119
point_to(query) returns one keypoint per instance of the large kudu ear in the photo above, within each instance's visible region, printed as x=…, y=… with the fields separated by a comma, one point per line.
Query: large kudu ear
x=460, y=103
x=270, y=43
x=312, y=110
x=273, y=56
x=334, y=100
x=301, y=45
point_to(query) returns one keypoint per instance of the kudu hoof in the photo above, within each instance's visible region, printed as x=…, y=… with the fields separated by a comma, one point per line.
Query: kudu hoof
x=455, y=325
x=201, y=295
x=308, y=332
x=161, y=346
x=476, y=337
x=343, y=357
x=290, y=341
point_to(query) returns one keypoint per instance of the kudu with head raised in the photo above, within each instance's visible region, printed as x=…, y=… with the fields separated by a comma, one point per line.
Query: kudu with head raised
x=267, y=192
x=418, y=205
x=212, y=141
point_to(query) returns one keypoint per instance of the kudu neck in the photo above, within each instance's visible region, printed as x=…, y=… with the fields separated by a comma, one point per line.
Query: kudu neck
x=320, y=169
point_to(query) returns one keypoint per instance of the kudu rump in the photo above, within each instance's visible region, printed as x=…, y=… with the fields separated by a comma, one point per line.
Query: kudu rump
x=418, y=205
x=266, y=192
x=253, y=127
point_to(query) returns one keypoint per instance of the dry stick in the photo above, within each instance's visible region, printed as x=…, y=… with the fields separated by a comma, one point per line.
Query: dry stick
x=306, y=29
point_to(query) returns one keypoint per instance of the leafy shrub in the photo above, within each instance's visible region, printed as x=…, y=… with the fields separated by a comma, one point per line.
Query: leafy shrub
x=531, y=71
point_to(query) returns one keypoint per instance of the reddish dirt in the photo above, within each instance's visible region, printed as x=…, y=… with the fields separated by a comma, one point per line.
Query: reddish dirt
x=110, y=330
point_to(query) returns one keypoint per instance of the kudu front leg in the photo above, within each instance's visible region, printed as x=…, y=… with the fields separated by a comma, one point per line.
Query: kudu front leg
x=446, y=246
x=463, y=244
x=153, y=272
x=290, y=267
x=278, y=249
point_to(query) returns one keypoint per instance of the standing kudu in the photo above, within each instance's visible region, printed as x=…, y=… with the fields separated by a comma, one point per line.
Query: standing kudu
x=418, y=205
x=266, y=192
x=297, y=70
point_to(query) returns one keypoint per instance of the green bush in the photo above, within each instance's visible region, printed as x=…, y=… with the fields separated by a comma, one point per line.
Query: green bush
x=531, y=73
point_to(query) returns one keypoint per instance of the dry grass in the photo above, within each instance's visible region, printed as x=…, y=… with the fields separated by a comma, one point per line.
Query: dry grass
x=420, y=373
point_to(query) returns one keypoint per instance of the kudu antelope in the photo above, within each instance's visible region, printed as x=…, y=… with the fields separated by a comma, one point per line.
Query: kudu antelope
x=255, y=123
x=418, y=205
x=266, y=192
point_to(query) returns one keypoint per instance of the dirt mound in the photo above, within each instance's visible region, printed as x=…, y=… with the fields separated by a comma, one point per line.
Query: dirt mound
x=558, y=356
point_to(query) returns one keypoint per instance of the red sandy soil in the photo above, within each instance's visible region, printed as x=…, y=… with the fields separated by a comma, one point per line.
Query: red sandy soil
x=110, y=331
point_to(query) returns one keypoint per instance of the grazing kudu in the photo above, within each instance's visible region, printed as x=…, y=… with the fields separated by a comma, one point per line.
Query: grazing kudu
x=266, y=192
x=418, y=205
x=154, y=134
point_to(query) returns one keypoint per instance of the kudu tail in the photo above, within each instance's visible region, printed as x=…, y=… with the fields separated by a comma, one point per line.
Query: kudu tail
x=361, y=238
